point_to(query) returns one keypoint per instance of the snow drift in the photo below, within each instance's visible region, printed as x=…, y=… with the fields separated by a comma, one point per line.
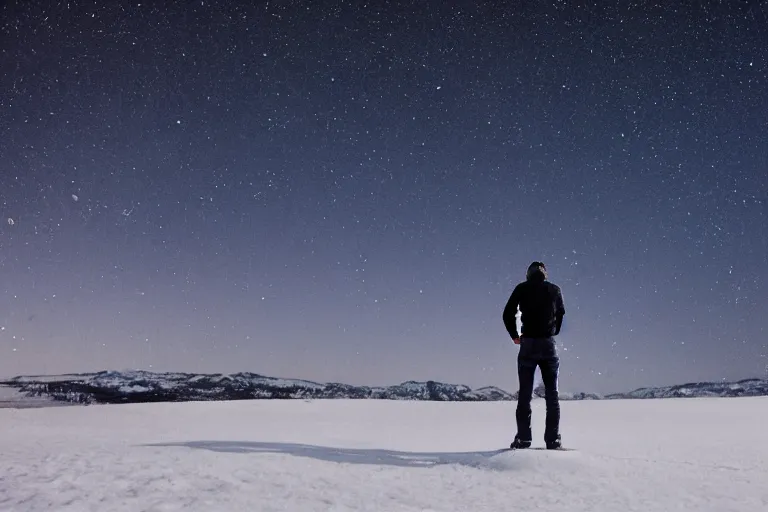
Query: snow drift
x=702, y=455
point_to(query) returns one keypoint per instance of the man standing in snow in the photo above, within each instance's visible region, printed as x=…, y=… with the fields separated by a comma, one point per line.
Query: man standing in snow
x=542, y=310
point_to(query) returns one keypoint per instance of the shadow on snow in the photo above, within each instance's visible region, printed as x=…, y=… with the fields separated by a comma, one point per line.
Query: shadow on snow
x=478, y=459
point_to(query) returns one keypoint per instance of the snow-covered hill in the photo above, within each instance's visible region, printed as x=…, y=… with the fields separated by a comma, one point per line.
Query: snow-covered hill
x=707, y=455
x=141, y=386
x=747, y=387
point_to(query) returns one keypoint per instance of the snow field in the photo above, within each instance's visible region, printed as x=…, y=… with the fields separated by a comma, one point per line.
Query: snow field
x=349, y=455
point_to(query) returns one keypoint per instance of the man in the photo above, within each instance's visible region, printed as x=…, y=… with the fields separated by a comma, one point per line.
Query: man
x=542, y=310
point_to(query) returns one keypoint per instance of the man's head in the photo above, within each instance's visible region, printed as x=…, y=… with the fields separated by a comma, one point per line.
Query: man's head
x=536, y=271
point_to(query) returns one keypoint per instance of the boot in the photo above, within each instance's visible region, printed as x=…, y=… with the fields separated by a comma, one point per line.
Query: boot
x=555, y=444
x=519, y=444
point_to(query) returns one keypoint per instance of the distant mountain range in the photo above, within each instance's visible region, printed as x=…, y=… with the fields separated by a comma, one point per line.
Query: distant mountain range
x=141, y=386
x=111, y=387
x=747, y=387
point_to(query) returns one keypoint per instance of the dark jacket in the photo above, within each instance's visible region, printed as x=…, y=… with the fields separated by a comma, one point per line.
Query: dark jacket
x=541, y=308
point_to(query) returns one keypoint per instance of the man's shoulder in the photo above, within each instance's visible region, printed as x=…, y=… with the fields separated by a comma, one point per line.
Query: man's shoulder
x=553, y=287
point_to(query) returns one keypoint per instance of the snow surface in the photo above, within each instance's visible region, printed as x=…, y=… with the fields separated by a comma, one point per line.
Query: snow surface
x=702, y=454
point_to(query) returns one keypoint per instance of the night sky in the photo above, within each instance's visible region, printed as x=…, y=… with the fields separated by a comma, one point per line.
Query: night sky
x=349, y=192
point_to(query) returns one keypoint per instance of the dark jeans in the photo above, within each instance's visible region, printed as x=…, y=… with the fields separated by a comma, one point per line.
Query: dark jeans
x=541, y=353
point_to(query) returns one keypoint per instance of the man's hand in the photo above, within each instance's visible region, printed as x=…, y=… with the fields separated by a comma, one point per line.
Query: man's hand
x=517, y=341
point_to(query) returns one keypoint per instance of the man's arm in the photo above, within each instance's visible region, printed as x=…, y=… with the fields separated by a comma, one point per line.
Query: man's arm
x=559, y=311
x=510, y=310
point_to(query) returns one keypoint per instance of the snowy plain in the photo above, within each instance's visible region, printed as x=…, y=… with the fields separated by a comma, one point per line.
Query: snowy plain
x=702, y=454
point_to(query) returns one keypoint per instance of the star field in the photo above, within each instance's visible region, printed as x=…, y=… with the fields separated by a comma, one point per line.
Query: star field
x=349, y=192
